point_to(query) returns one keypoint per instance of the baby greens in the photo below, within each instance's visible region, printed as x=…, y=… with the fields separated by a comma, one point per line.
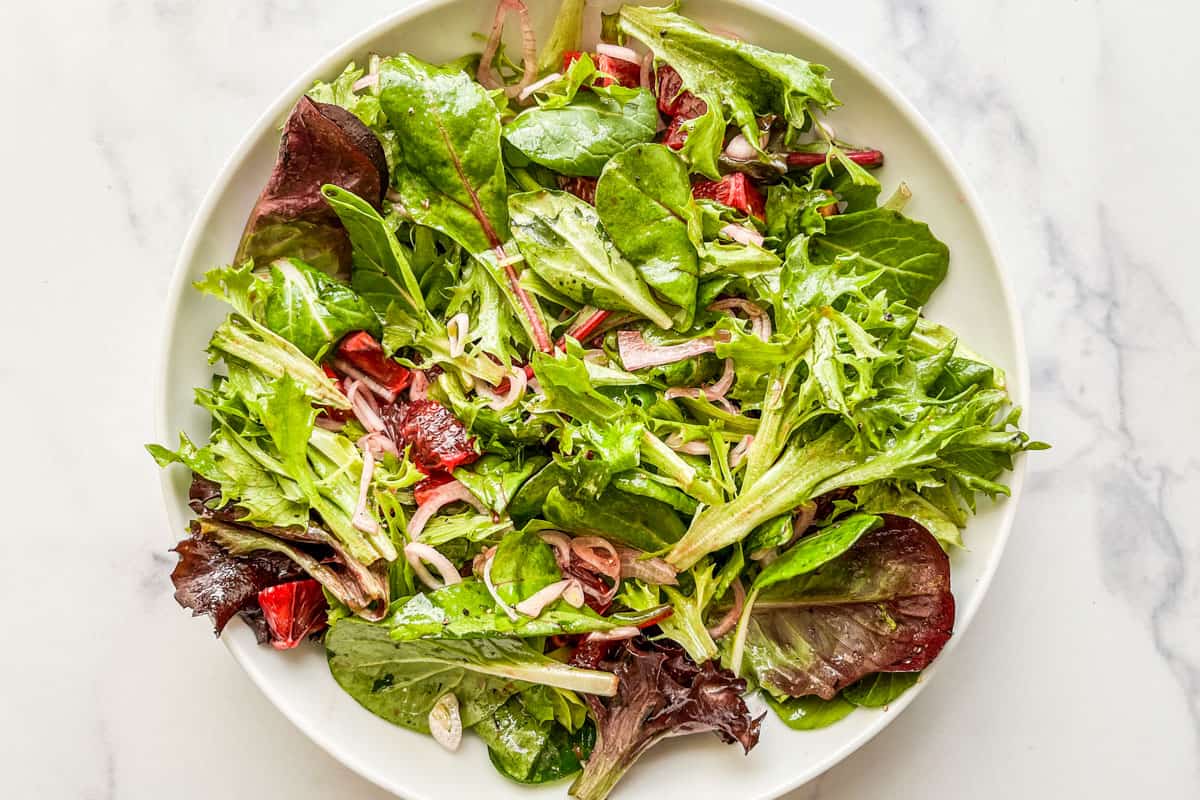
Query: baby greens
x=567, y=400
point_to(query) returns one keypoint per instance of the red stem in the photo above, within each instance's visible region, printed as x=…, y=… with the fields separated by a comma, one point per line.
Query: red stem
x=584, y=330
x=541, y=336
x=865, y=158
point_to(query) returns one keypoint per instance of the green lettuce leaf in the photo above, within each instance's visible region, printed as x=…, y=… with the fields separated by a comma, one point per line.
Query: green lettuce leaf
x=312, y=310
x=466, y=610
x=401, y=681
x=496, y=479
x=739, y=81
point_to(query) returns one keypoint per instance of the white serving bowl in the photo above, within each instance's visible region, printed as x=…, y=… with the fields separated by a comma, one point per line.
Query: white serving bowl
x=975, y=300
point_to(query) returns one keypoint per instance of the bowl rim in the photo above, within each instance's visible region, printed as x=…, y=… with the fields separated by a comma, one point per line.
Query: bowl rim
x=338, y=57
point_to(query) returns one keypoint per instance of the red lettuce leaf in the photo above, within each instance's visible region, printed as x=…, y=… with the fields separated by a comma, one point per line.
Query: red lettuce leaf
x=208, y=580
x=661, y=693
x=883, y=606
x=321, y=144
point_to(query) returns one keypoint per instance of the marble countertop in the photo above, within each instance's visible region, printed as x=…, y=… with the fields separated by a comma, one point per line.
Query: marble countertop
x=1077, y=122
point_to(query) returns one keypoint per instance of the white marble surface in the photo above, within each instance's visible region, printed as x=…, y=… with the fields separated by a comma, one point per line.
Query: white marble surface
x=1078, y=123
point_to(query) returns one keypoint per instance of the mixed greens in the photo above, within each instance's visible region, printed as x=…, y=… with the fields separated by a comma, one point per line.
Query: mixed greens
x=569, y=399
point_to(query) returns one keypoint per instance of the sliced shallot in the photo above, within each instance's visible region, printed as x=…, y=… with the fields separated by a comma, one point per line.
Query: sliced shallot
x=417, y=552
x=516, y=390
x=615, y=635
x=378, y=443
x=618, y=52
x=536, y=86
x=740, y=149
x=573, y=594
x=447, y=493
x=760, y=323
x=599, y=556
x=364, y=407
x=445, y=722
x=743, y=235
x=533, y=605
x=714, y=392
x=637, y=354
x=739, y=451
x=696, y=447
x=805, y=516
x=346, y=368
x=457, y=328
x=486, y=74
x=634, y=564
x=561, y=544
x=363, y=520
x=370, y=79
x=491, y=587
x=646, y=77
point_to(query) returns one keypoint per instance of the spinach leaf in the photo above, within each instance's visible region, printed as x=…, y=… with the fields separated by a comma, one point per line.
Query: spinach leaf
x=644, y=200
x=564, y=243
x=812, y=552
x=312, y=310
x=625, y=519
x=523, y=564
x=810, y=713
x=527, y=503
x=400, y=681
x=451, y=175
x=382, y=272
x=880, y=689
x=496, y=479
x=579, y=138
x=739, y=81
x=907, y=261
x=731, y=258
x=529, y=750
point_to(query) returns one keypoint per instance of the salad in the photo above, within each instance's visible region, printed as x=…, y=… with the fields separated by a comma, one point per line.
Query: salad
x=570, y=397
